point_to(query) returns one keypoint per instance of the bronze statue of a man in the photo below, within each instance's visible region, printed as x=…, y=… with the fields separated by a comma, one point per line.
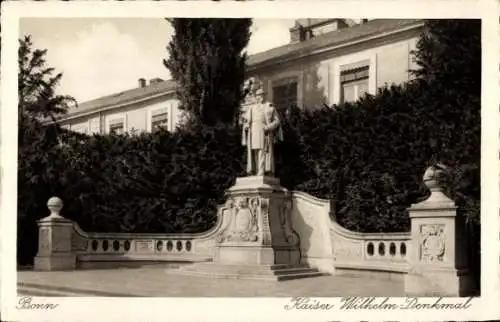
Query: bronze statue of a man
x=261, y=130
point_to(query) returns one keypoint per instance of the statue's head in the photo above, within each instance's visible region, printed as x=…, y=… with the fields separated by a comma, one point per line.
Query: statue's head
x=259, y=95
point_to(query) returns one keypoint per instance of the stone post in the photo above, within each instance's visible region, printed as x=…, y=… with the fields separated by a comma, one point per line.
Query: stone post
x=54, y=241
x=438, y=246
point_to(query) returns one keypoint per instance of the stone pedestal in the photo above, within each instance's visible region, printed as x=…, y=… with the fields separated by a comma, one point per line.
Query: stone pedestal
x=258, y=240
x=54, y=241
x=259, y=230
x=438, y=252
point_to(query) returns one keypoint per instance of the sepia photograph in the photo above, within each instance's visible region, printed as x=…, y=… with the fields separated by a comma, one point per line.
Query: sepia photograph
x=268, y=150
x=250, y=157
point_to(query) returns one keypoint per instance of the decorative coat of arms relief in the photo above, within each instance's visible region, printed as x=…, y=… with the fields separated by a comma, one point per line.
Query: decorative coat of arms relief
x=432, y=246
x=243, y=225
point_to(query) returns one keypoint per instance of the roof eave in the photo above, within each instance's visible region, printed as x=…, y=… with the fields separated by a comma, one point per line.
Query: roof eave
x=289, y=57
x=96, y=110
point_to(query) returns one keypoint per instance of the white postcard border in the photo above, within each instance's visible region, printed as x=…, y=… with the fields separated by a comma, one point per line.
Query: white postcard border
x=234, y=309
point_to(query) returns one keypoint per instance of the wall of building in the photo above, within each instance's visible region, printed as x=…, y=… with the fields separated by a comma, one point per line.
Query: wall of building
x=319, y=76
x=136, y=117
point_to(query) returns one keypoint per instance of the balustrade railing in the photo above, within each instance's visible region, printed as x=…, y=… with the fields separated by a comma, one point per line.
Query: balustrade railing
x=432, y=251
x=386, y=252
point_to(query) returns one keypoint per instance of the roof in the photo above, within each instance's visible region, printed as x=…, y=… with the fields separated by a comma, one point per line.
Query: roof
x=312, y=22
x=124, y=97
x=336, y=37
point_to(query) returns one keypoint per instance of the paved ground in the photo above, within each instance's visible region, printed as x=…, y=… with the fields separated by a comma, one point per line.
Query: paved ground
x=156, y=280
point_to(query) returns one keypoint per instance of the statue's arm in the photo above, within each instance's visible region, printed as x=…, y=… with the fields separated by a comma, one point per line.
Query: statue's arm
x=274, y=123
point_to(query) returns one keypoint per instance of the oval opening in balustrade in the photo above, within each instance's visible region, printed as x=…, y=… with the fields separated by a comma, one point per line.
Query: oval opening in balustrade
x=178, y=246
x=159, y=245
x=126, y=245
x=402, y=249
x=381, y=249
x=392, y=249
x=105, y=245
x=169, y=246
x=188, y=245
x=369, y=249
x=116, y=245
x=95, y=244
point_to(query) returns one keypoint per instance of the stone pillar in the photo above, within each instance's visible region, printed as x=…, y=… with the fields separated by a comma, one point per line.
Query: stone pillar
x=438, y=246
x=259, y=231
x=54, y=241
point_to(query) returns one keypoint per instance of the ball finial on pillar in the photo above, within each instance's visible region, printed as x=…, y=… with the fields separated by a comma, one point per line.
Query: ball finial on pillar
x=55, y=205
x=431, y=176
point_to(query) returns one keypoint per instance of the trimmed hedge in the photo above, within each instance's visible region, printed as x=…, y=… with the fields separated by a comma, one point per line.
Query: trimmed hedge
x=161, y=182
x=369, y=156
x=364, y=155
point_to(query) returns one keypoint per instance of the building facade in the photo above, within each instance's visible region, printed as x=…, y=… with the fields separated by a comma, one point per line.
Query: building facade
x=327, y=61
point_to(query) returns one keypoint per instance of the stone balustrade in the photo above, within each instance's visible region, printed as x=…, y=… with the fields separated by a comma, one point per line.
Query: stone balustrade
x=129, y=247
x=385, y=253
x=81, y=248
x=430, y=258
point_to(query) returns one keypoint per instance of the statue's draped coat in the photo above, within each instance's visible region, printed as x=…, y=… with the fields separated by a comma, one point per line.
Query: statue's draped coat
x=260, y=117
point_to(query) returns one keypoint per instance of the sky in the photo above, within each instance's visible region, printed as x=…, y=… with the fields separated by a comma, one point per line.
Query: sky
x=100, y=56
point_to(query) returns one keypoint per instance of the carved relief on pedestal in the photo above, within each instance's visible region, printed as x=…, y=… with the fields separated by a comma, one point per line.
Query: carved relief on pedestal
x=289, y=235
x=266, y=229
x=243, y=225
x=432, y=242
x=226, y=211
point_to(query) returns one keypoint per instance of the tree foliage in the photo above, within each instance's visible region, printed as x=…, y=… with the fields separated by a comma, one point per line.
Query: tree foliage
x=37, y=84
x=39, y=159
x=368, y=156
x=207, y=60
x=449, y=56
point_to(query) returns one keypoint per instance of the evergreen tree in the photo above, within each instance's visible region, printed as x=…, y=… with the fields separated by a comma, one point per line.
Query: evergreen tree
x=207, y=60
x=39, y=162
x=37, y=84
x=449, y=56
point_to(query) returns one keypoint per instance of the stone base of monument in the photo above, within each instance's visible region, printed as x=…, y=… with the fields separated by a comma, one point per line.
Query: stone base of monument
x=438, y=282
x=257, y=240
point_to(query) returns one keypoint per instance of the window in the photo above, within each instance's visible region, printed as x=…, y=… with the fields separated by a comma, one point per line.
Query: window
x=353, y=83
x=116, y=127
x=285, y=93
x=159, y=121
x=80, y=129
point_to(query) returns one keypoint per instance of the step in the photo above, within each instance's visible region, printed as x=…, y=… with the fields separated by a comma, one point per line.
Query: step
x=253, y=267
x=210, y=274
x=247, y=270
x=220, y=275
x=299, y=275
x=237, y=272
